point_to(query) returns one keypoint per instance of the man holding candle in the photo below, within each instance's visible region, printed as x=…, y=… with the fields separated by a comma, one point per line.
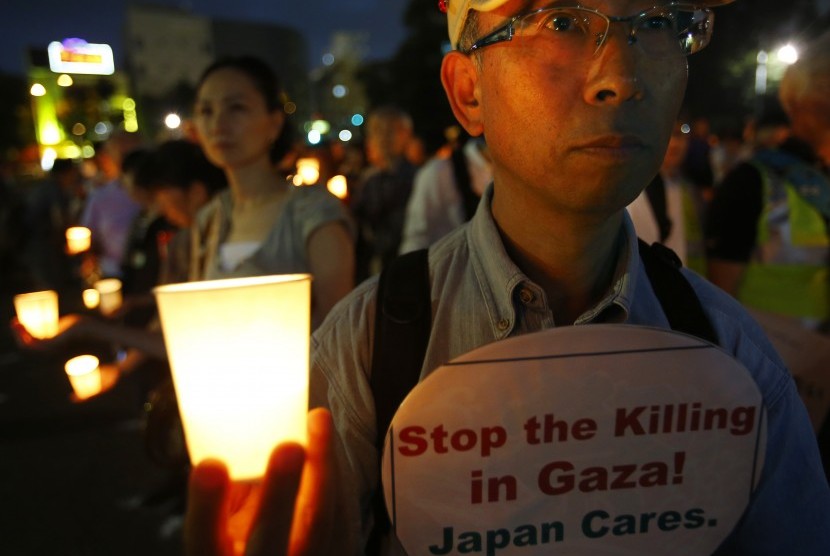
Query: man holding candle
x=573, y=139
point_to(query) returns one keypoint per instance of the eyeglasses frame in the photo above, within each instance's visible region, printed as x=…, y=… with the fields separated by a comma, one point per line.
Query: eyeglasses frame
x=505, y=33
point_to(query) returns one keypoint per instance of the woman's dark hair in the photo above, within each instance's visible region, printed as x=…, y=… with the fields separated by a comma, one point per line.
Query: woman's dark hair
x=178, y=164
x=266, y=81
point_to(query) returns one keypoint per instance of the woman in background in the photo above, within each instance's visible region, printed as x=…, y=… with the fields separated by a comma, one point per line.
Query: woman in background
x=263, y=224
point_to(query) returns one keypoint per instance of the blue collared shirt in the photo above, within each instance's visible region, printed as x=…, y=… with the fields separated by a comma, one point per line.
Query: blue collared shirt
x=480, y=296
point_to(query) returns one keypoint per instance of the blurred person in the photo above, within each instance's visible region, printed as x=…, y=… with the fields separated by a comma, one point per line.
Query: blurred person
x=767, y=237
x=771, y=127
x=445, y=194
x=146, y=239
x=730, y=150
x=697, y=164
x=577, y=124
x=52, y=206
x=416, y=151
x=379, y=201
x=11, y=230
x=109, y=209
x=670, y=210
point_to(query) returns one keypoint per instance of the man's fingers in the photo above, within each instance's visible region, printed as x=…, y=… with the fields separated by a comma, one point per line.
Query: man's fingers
x=205, y=526
x=272, y=527
x=314, y=512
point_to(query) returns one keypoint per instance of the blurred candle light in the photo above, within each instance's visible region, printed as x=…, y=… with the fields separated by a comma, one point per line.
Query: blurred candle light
x=309, y=170
x=338, y=186
x=109, y=290
x=91, y=298
x=78, y=239
x=84, y=375
x=38, y=313
x=238, y=351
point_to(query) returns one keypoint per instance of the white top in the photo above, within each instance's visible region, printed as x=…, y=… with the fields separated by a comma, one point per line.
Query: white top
x=435, y=207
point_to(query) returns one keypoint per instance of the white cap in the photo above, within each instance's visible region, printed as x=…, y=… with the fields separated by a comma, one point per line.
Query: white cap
x=457, y=11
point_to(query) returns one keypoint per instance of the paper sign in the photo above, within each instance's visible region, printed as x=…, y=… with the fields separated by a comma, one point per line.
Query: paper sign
x=577, y=440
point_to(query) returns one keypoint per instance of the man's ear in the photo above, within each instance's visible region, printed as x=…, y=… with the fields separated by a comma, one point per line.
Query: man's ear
x=460, y=78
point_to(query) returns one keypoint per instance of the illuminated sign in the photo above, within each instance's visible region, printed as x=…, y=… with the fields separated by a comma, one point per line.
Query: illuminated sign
x=79, y=56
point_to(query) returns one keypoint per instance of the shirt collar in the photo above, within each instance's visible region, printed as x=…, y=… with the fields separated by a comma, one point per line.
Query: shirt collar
x=498, y=276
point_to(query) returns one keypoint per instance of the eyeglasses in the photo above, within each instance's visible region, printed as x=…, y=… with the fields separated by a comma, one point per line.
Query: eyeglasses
x=574, y=32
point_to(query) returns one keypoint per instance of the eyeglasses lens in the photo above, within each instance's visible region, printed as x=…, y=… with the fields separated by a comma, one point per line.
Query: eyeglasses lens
x=573, y=33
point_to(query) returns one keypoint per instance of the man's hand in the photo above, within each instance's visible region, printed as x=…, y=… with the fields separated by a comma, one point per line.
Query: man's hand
x=290, y=513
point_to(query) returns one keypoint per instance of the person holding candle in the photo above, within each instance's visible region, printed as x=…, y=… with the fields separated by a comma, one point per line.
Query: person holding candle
x=181, y=181
x=577, y=104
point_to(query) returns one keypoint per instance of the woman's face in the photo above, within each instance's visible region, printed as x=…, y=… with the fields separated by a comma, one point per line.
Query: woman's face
x=232, y=120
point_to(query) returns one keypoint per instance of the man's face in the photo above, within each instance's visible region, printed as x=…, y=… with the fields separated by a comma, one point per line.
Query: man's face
x=581, y=136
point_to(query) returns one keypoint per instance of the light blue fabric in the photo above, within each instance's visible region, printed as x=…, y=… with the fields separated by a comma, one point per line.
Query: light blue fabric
x=480, y=296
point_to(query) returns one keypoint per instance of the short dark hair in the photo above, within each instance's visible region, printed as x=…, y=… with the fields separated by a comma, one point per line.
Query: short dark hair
x=133, y=159
x=178, y=163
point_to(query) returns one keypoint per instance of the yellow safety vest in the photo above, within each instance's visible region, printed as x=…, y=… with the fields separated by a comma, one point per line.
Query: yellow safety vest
x=788, y=273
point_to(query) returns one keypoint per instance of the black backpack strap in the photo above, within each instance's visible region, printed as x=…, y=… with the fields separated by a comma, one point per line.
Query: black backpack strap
x=675, y=293
x=403, y=320
x=463, y=182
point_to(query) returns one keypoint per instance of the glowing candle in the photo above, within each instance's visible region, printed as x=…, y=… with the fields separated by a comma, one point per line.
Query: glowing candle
x=309, y=170
x=338, y=186
x=38, y=313
x=238, y=352
x=78, y=240
x=84, y=375
x=91, y=298
x=109, y=290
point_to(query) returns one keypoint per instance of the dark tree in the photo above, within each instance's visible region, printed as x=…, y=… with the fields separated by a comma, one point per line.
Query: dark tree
x=411, y=79
x=16, y=130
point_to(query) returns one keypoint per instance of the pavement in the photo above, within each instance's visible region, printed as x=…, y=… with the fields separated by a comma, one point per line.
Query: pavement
x=77, y=479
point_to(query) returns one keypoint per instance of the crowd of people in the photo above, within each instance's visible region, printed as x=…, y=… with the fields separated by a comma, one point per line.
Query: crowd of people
x=527, y=203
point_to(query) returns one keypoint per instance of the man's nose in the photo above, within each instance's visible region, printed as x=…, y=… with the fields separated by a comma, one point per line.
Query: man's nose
x=613, y=76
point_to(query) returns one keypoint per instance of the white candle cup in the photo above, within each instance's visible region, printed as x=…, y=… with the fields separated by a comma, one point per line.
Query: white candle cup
x=238, y=352
x=38, y=313
x=78, y=240
x=109, y=290
x=84, y=375
x=91, y=298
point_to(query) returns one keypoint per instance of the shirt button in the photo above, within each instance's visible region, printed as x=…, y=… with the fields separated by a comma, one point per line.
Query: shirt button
x=503, y=324
x=526, y=296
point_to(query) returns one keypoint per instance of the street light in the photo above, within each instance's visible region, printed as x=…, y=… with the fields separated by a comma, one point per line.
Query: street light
x=773, y=67
x=788, y=54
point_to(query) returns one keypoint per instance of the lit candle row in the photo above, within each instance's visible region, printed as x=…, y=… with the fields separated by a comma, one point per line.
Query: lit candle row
x=238, y=352
x=84, y=375
x=38, y=311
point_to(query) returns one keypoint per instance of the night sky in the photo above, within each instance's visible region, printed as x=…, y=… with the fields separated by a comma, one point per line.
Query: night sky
x=38, y=22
